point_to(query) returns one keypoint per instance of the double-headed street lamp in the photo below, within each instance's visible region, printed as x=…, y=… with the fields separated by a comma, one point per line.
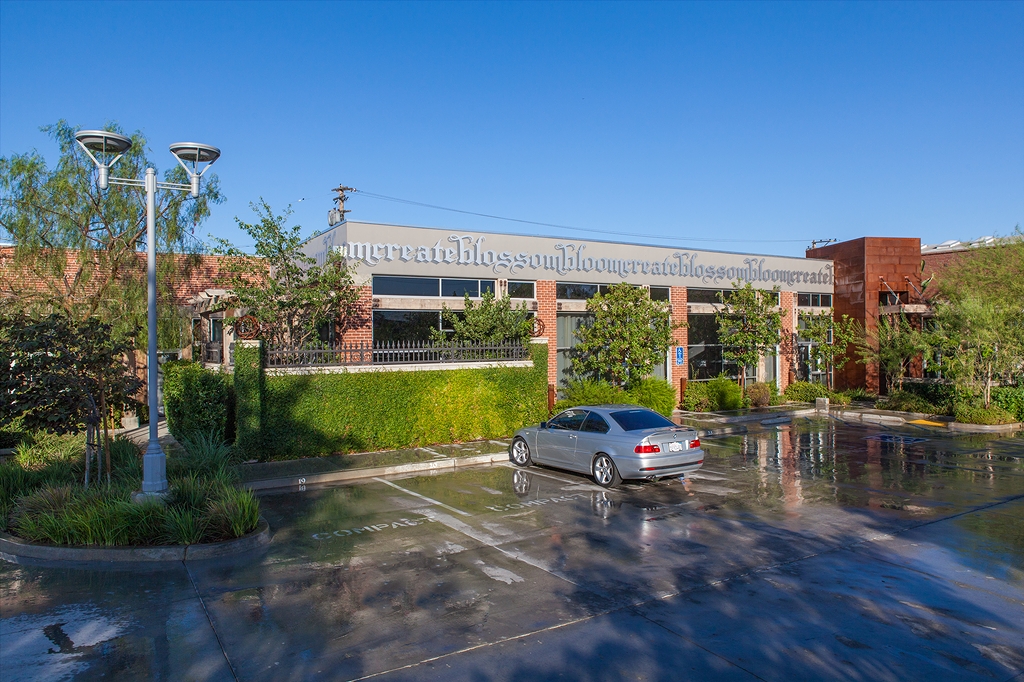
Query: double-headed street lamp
x=105, y=149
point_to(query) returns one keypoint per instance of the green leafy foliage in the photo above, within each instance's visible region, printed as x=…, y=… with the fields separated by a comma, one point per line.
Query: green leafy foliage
x=249, y=385
x=941, y=396
x=196, y=400
x=627, y=335
x=976, y=414
x=310, y=415
x=492, y=320
x=289, y=293
x=1011, y=399
x=657, y=394
x=41, y=500
x=590, y=392
x=893, y=345
x=721, y=393
x=906, y=401
x=749, y=324
x=82, y=244
x=806, y=391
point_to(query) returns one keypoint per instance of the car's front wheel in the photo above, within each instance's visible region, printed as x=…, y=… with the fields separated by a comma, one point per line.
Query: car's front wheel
x=605, y=472
x=519, y=453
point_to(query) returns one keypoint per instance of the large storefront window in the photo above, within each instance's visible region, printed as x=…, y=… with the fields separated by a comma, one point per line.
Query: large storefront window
x=705, y=351
x=806, y=368
x=404, y=325
x=566, y=340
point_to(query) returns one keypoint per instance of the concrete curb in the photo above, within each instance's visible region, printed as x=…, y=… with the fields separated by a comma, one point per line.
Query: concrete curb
x=16, y=550
x=985, y=428
x=447, y=464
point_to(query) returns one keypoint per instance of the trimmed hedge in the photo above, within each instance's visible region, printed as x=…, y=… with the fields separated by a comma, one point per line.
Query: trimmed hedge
x=197, y=400
x=975, y=414
x=906, y=401
x=310, y=415
x=250, y=389
x=721, y=393
x=656, y=394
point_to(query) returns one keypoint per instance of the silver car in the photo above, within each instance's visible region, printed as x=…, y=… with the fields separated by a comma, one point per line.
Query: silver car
x=610, y=442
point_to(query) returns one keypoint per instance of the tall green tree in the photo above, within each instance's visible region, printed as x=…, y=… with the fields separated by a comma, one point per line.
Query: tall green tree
x=989, y=272
x=893, y=345
x=981, y=342
x=749, y=324
x=834, y=340
x=63, y=376
x=492, y=320
x=288, y=292
x=77, y=248
x=627, y=335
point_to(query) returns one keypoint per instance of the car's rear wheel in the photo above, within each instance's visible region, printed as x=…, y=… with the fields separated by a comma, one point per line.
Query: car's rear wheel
x=605, y=472
x=519, y=453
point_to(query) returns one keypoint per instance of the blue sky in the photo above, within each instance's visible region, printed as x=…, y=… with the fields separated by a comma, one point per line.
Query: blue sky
x=758, y=125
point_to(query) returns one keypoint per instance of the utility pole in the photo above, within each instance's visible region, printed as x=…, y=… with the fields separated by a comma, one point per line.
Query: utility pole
x=337, y=214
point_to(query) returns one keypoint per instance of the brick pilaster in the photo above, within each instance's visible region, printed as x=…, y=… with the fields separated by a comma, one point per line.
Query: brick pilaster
x=359, y=327
x=787, y=345
x=680, y=336
x=547, y=313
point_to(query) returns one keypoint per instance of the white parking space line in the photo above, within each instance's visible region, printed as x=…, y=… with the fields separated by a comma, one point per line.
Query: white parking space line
x=423, y=497
x=533, y=470
x=486, y=539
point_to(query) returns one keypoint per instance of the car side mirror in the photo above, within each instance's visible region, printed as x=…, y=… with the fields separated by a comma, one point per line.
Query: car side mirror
x=543, y=425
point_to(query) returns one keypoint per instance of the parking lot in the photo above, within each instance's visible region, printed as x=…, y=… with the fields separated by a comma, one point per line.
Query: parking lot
x=811, y=550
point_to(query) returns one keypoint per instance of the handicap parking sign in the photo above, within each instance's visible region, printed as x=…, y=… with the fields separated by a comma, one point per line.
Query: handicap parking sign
x=680, y=355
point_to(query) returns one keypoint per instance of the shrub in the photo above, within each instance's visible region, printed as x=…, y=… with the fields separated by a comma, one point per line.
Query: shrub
x=196, y=400
x=656, y=394
x=941, y=395
x=1010, y=399
x=727, y=393
x=698, y=399
x=975, y=414
x=904, y=401
x=858, y=394
x=590, y=392
x=805, y=391
x=206, y=454
x=759, y=393
x=233, y=513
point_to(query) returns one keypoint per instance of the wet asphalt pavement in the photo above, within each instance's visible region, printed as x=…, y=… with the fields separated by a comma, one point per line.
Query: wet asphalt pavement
x=816, y=550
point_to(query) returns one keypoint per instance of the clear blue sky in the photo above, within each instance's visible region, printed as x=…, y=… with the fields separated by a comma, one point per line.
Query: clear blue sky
x=736, y=122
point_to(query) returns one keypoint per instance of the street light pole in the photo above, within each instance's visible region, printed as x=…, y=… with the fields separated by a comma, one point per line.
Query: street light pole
x=154, y=462
x=110, y=147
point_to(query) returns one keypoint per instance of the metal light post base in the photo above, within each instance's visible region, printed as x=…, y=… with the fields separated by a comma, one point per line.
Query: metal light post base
x=154, y=473
x=140, y=497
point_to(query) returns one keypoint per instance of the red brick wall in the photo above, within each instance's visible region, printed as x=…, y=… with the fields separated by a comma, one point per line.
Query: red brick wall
x=547, y=312
x=858, y=265
x=358, y=329
x=680, y=337
x=787, y=346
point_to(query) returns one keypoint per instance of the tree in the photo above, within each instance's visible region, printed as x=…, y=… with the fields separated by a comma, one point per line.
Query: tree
x=749, y=324
x=981, y=341
x=989, y=272
x=833, y=340
x=493, y=320
x=77, y=249
x=626, y=337
x=289, y=294
x=61, y=376
x=893, y=345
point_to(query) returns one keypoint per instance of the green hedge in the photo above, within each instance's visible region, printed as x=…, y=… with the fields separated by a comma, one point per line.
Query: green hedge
x=976, y=414
x=1011, y=399
x=250, y=387
x=721, y=393
x=310, y=415
x=197, y=400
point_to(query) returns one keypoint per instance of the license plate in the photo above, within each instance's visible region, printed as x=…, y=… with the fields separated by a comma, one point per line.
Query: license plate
x=675, y=447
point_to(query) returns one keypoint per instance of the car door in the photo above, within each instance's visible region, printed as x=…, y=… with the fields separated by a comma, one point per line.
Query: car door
x=557, y=443
x=592, y=439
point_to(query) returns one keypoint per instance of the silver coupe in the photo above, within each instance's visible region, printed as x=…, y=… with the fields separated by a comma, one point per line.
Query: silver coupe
x=610, y=442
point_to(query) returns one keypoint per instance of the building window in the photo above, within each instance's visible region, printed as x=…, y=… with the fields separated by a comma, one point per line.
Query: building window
x=404, y=325
x=565, y=340
x=575, y=292
x=216, y=330
x=659, y=293
x=405, y=286
x=814, y=300
x=893, y=298
x=703, y=295
x=521, y=289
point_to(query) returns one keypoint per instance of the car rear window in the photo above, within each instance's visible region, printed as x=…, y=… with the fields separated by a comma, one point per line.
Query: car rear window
x=638, y=420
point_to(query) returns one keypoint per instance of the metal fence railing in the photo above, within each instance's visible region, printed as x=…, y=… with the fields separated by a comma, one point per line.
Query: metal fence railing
x=393, y=353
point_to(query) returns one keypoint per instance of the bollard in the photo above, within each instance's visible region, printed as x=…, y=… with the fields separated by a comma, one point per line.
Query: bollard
x=551, y=398
x=821, y=404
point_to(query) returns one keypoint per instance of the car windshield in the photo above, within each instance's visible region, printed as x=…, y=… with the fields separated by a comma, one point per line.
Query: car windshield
x=638, y=420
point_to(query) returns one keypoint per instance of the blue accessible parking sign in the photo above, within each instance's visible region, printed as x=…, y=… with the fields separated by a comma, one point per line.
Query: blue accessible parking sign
x=680, y=355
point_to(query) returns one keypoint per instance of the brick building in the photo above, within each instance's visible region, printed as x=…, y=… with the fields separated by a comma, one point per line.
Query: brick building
x=408, y=273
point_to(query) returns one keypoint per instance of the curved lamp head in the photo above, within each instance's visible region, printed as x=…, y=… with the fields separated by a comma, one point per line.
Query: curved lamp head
x=195, y=154
x=107, y=145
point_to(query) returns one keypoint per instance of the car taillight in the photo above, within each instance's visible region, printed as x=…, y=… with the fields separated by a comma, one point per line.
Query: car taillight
x=695, y=443
x=646, y=449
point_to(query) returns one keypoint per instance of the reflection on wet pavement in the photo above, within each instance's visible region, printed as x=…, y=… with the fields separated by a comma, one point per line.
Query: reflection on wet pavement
x=810, y=550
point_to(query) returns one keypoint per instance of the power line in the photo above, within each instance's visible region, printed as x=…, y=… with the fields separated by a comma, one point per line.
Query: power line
x=372, y=195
